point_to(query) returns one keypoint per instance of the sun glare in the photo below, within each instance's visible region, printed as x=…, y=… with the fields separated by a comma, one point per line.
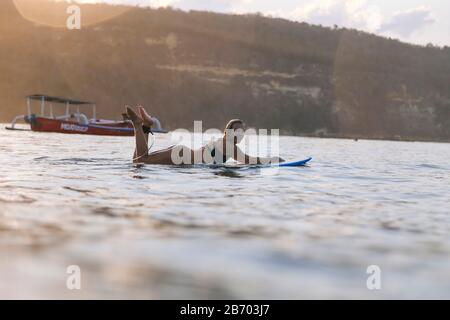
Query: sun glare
x=54, y=13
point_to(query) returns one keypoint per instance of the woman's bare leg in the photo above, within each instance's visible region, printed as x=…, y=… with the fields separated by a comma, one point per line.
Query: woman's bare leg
x=141, y=138
x=135, y=155
x=148, y=121
x=141, y=153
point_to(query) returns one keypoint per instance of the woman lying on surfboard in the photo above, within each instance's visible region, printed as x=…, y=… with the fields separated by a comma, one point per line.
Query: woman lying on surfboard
x=213, y=153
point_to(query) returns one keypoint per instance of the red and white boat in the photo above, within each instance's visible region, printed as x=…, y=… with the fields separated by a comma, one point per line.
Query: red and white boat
x=73, y=122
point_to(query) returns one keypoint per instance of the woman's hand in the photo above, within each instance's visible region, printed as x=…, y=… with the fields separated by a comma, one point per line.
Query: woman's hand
x=279, y=159
x=271, y=160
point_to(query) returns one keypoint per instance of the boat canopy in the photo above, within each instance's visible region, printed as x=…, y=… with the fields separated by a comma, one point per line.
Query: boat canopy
x=40, y=97
x=43, y=99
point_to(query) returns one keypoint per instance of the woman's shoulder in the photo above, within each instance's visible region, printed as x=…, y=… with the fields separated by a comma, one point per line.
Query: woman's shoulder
x=213, y=143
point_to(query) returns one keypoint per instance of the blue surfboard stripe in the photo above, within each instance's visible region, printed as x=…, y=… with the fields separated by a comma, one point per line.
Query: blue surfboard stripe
x=293, y=164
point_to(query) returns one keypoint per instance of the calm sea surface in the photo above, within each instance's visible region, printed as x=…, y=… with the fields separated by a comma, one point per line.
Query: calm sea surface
x=198, y=232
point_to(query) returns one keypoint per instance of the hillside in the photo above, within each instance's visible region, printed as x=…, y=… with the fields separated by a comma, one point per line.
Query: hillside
x=186, y=66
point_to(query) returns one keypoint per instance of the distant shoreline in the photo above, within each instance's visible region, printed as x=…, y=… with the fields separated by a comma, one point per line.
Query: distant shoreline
x=362, y=137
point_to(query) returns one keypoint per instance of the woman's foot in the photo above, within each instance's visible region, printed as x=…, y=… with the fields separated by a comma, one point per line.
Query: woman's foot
x=148, y=121
x=134, y=116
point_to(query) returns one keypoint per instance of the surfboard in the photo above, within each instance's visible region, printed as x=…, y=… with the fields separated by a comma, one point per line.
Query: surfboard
x=292, y=164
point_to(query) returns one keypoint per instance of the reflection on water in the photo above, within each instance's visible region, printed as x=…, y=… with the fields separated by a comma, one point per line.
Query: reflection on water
x=215, y=232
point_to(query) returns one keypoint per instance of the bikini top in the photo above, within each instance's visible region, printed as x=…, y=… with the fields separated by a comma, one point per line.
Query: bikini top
x=215, y=153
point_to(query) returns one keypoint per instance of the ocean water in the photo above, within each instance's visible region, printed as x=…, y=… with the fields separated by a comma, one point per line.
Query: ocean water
x=162, y=232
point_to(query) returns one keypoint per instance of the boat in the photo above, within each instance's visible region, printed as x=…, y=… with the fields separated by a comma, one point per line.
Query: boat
x=73, y=121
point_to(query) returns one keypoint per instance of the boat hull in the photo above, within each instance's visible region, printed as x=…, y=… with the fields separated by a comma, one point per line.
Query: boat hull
x=40, y=124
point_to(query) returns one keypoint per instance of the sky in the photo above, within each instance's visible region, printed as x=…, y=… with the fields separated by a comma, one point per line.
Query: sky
x=414, y=21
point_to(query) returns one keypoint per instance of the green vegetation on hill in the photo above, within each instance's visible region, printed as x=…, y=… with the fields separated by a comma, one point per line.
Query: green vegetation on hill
x=273, y=73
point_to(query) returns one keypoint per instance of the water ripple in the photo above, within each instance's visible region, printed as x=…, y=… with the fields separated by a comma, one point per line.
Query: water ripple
x=264, y=233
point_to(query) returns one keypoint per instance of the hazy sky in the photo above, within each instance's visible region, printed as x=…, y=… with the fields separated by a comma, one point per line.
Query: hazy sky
x=415, y=21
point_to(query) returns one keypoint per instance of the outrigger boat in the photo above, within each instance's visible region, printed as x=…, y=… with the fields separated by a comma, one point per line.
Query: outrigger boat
x=73, y=123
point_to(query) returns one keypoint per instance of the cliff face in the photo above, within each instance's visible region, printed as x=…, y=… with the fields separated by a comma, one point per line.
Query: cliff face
x=203, y=66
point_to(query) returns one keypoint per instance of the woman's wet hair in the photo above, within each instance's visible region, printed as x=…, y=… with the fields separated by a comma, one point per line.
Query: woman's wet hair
x=232, y=123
